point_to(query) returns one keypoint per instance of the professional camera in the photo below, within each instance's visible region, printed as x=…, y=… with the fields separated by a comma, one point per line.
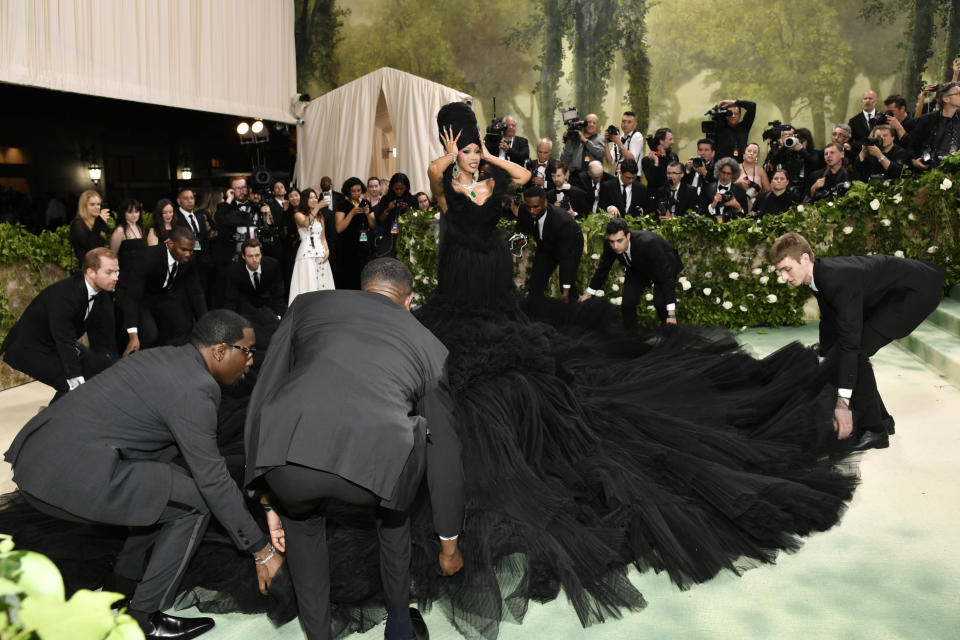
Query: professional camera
x=612, y=131
x=494, y=133
x=875, y=141
x=717, y=115
x=775, y=131
x=791, y=141
x=726, y=197
x=697, y=162
x=752, y=189
x=401, y=206
x=571, y=119
x=835, y=191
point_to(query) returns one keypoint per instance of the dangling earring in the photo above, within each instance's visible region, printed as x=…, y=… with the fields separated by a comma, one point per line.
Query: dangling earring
x=476, y=174
x=456, y=171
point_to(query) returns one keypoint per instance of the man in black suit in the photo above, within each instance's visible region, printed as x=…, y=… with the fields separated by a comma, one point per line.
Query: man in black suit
x=863, y=122
x=197, y=222
x=162, y=294
x=659, y=155
x=255, y=291
x=700, y=170
x=833, y=180
x=512, y=147
x=724, y=199
x=590, y=181
x=318, y=431
x=565, y=195
x=103, y=455
x=646, y=258
x=43, y=343
x=881, y=162
x=676, y=197
x=559, y=243
x=541, y=167
x=866, y=302
x=625, y=195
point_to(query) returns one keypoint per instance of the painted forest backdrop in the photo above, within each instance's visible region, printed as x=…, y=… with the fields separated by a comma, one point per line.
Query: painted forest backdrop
x=805, y=63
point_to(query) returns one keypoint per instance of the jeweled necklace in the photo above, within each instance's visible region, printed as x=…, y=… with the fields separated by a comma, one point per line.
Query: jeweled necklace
x=469, y=187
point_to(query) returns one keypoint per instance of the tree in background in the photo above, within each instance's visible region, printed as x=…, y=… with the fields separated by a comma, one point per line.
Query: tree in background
x=316, y=34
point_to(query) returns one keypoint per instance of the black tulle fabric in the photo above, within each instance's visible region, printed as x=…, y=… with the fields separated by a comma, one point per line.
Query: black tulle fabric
x=585, y=449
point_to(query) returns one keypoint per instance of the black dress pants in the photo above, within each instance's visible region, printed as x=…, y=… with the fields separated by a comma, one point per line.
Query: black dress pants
x=303, y=496
x=47, y=367
x=165, y=319
x=633, y=289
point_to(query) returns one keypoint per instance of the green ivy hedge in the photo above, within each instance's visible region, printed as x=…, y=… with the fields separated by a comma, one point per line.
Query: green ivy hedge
x=726, y=279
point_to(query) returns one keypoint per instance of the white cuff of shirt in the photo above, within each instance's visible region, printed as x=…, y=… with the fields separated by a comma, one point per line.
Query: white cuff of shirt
x=566, y=286
x=672, y=306
x=131, y=329
x=73, y=383
x=591, y=292
x=451, y=538
x=845, y=393
x=711, y=208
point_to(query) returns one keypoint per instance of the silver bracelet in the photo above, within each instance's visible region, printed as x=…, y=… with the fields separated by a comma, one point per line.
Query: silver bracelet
x=452, y=155
x=269, y=556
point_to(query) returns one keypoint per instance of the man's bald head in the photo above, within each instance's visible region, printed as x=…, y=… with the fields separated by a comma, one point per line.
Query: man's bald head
x=595, y=169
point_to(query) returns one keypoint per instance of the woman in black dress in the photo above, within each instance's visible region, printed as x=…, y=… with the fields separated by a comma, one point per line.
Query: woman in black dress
x=88, y=230
x=355, y=225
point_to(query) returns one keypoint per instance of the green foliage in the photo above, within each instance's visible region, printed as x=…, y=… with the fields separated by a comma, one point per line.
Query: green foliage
x=727, y=280
x=317, y=33
x=19, y=245
x=33, y=604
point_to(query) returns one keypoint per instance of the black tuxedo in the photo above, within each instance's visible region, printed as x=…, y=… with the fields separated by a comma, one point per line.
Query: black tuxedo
x=262, y=306
x=686, y=200
x=203, y=253
x=870, y=167
x=560, y=245
x=860, y=127
x=702, y=181
x=202, y=230
x=611, y=194
x=836, y=184
x=317, y=430
x=43, y=343
x=519, y=151
x=574, y=196
x=652, y=260
x=586, y=183
x=656, y=175
x=726, y=212
x=533, y=165
x=161, y=315
x=102, y=454
x=865, y=303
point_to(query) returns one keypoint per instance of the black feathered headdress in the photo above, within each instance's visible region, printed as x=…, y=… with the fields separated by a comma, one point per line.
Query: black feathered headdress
x=460, y=118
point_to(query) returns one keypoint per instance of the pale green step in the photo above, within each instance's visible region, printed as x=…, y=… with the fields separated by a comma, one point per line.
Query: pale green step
x=947, y=316
x=936, y=347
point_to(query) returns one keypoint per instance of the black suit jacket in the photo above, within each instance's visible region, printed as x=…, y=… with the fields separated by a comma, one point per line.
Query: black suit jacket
x=519, y=151
x=562, y=239
x=102, y=452
x=204, y=226
x=358, y=421
x=652, y=259
x=54, y=321
x=533, y=164
x=575, y=196
x=706, y=199
x=877, y=289
x=146, y=279
x=860, y=127
x=687, y=199
x=611, y=195
x=242, y=297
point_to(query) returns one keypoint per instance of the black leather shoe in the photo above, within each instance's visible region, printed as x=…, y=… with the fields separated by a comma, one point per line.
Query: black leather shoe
x=419, y=626
x=165, y=627
x=889, y=425
x=872, y=440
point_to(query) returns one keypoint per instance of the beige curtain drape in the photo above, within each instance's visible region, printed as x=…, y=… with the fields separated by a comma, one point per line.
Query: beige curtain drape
x=343, y=137
x=225, y=56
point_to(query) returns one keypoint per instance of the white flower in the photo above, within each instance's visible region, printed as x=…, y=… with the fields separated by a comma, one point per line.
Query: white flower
x=650, y=307
x=799, y=208
x=757, y=271
x=847, y=230
x=730, y=250
x=648, y=297
x=771, y=268
x=727, y=304
x=600, y=293
x=743, y=308
x=911, y=217
x=436, y=216
x=621, y=279
x=830, y=203
x=751, y=296
x=708, y=274
x=594, y=256
x=733, y=275
x=707, y=290
x=780, y=278
x=946, y=184
x=771, y=298
x=615, y=287
x=885, y=222
x=764, y=279
x=897, y=198
x=932, y=249
x=717, y=299
x=874, y=204
x=685, y=284
x=425, y=280
x=616, y=300
x=898, y=253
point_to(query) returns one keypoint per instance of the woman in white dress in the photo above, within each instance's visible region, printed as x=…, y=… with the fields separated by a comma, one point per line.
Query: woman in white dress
x=311, y=269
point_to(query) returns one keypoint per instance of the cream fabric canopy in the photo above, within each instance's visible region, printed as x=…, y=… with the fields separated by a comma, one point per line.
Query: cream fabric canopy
x=225, y=56
x=352, y=130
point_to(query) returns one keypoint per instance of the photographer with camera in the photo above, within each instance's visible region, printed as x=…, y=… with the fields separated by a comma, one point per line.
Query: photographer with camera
x=510, y=146
x=582, y=143
x=565, y=195
x=397, y=201
x=675, y=198
x=733, y=118
x=831, y=181
x=863, y=123
x=932, y=89
x=752, y=178
x=625, y=143
x=880, y=158
x=896, y=116
x=842, y=135
x=541, y=167
x=624, y=196
x=724, y=199
x=790, y=150
x=699, y=170
x=659, y=155
x=937, y=134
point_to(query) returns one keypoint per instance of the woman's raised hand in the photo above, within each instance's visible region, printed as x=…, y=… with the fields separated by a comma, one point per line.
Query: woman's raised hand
x=449, y=141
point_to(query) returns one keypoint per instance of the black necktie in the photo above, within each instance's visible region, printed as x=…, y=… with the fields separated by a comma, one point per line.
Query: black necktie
x=624, y=196
x=193, y=224
x=626, y=258
x=90, y=303
x=172, y=275
x=256, y=281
